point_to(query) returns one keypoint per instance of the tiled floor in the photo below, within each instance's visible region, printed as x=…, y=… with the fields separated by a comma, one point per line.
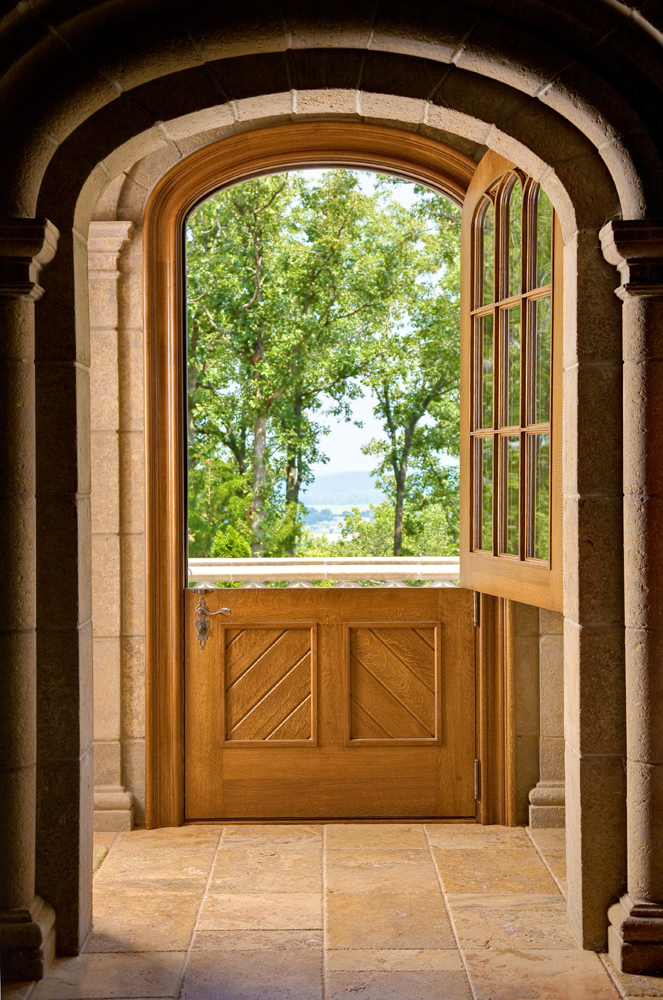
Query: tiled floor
x=308, y=912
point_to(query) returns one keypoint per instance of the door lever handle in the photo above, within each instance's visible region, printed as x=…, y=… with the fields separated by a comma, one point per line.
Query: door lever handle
x=201, y=622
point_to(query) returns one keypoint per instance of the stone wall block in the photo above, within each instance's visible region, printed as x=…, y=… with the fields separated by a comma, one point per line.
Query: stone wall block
x=63, y=428
x=17, y=545
x=643, y=332
x=269, y=109
x=18, y=724
x=103, y=299
x=527, y=772
x=17, y=837
x=590, y=188
x=133, y=774
x=551, y=622
x=526, y=667
x=599, y=428
x=132, y=466
x=133, y=687
x=593, y=585
x=644, y=695
x=106, y=585
x=65, y=680
x=133, y=585
x=645, y=790
x=132, y=391
x=17, y=416
x=105, y=498
x=63, y=582
x=595, y=310
x=551, y=672
x=107, y=684
x=64, y=846
x=643, y=416
x=643, y=561
x=130, y=295
x=551, y=756
x=594, y=711
x=318, y=103
x=105, y=412
x=525, y=619
x=107, y=762
x=595, y=843
x=149, y=169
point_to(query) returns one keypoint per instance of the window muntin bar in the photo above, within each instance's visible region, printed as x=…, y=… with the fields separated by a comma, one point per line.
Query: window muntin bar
x=512, y=358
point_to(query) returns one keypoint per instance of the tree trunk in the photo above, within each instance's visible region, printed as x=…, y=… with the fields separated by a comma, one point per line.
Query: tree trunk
x=398, y=514
x=258, y=512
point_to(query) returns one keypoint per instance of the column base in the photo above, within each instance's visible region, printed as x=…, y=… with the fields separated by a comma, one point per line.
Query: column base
x=27, y=941
x=113, y=809
x=547, y=805
x=635, y=936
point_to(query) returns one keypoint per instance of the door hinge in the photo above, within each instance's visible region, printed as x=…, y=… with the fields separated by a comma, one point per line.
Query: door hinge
x=477, y=609
x=477, y=780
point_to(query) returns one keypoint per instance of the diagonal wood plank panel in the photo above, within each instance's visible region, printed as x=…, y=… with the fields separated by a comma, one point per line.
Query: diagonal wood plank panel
x=268, y=684
x=392, y=683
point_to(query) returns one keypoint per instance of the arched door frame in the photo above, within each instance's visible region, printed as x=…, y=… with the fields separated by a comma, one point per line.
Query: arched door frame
x=289, y=147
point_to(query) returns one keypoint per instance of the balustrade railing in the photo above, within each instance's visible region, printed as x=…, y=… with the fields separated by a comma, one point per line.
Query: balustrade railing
x=382, y=571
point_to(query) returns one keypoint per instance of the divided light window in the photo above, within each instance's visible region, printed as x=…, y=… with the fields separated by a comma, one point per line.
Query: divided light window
x=512, y=446
x=511, y=350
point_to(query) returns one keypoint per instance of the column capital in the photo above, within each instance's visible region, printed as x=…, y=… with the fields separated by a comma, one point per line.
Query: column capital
x=635, y=247
x=25, y=246
x=105, y=240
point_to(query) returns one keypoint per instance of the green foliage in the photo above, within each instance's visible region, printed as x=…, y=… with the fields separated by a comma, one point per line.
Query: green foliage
x=229, y=543
x=302, y=290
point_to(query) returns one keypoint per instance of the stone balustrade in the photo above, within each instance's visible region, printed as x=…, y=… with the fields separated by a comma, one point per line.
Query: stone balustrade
x=436, y=571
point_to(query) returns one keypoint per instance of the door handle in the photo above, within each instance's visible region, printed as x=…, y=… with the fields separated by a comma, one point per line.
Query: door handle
x=201, y=620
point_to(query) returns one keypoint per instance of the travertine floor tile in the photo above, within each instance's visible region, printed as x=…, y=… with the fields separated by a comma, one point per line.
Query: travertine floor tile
x=532, y=975
x=634, y=986
x=268, y=868
x=394, y=960
x=387, y=920
x=398, y=985
x=286, y=833
x=99, y=852
x=373, y=870
x=345, y=836
x=261, y=911
x=472, y=835
x=523, y=922
x=142, y=921
x=103, y=838
x=548, y=839
x=186, y=854
x=89, y=977
x=243, y=940
x=495, y=870
x=255, y=975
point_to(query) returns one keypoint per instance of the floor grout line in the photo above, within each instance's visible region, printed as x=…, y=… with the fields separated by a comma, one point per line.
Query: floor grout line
x=450, y=915
x=199, y=911
x=324, y=912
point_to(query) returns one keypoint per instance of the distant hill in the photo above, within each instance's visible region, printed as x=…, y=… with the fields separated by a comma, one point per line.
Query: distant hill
x=343, y=488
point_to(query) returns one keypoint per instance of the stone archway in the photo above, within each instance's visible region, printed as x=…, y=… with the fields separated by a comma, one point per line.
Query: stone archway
x=553, y=113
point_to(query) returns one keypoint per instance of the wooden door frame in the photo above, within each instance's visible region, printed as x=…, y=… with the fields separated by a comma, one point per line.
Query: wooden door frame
x=238, y=157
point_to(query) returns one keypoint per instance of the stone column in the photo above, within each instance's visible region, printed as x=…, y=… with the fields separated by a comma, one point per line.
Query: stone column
x=636, y=922
x=547, y=798
x=113, y=804
x=27, y=933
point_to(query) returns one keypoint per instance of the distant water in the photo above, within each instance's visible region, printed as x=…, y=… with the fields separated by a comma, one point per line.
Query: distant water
x=343, y=488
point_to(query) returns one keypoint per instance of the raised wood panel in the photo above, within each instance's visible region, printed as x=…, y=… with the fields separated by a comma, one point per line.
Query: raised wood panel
x=392, y=683
x=268, y=683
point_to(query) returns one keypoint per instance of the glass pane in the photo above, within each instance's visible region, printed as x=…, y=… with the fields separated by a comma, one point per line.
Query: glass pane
x=485, y=332
x=512, y=359
x=515, y=238
x=540, y=463
x=487, y=290
x=542, y=361
x=486, y=519
x=512, y=491
x=543, y=240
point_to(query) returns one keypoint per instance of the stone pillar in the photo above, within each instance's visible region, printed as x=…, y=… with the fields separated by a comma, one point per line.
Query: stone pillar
x=27, y=933
x=547, y=798
x=113, y=804
x=525, y=626
x=636, y=922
